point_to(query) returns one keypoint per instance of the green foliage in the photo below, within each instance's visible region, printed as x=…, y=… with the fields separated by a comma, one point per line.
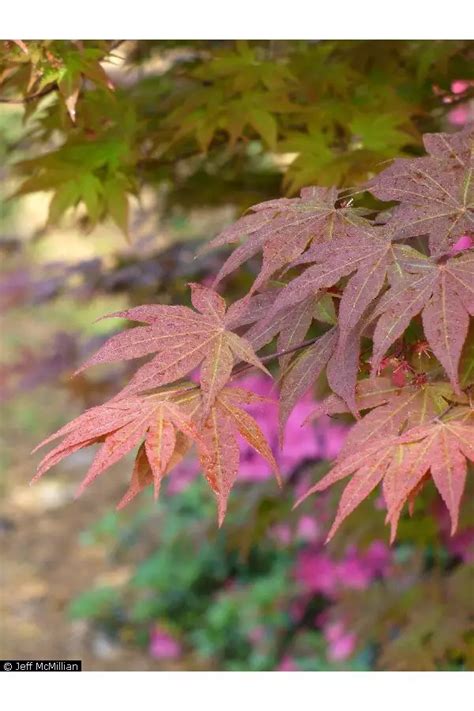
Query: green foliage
x=426, y=640
x=209, y=119
x=213, y=592
x=94, y=603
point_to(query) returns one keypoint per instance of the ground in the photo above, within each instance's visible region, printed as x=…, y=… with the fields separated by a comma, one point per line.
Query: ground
x=43, y=567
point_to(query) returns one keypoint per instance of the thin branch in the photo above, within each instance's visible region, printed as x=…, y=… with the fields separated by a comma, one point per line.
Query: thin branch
x=30, y=97
x=265, y=359
x=272, y=356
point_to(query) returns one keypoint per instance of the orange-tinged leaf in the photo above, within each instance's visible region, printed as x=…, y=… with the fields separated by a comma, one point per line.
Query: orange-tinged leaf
x=221, y=456
x=248, y=428
x=115, y=447
x=296, y=328
x=248, y=310
x=216, y=370
x=162, y=422
x=343, y=368
x=142, y=476
x=182, y=447
x=348, y=465
x=404, y=300
x=182, y=339
x=220, y=460
x=460, y=275
x=267, y=327
x=96, y=422
x=448, y=469
x=332, y=261
x=362, y=288
x=401, y=481
x=144, y=340
x=61, y=452
x=406, y=407
x=242, y=350
x=160, y=444
x=369, y=394
x=168, y=366
x=360, y=486
x=150, y=313
x=441, y=446
x=444, y=292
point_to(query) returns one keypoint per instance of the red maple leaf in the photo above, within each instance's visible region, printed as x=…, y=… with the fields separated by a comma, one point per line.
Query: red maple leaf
x=220, y=454
x=444, y=293
x=401, y=463
x=183, y=339
x=436, y=193
x=282, y=229
x=121, y=425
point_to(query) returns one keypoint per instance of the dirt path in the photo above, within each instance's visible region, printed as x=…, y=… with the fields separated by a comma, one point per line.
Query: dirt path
x=43, y=567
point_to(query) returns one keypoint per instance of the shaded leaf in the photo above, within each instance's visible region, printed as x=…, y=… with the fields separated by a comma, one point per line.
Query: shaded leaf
x=436, y=193
x=303, y=373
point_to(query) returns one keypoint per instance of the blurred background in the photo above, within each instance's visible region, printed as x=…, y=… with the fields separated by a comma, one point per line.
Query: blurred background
x=119, y=160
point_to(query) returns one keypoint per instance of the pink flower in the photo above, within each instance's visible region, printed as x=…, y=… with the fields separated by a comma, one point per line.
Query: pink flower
x=333, y=631
x=297, y=609
x=342, y=648
x=459, y=86
x=357, y=570
x=182, y=476
x=163, y=645
x=460, y=115
x=308, y=529
x=321, y=440
x=341, y=643
x=287, y=664
x=317, y=572
x=464, y=242
x=257, y=634
x=353, y=573
x=378, y=558
x=379, y=503
x=282, y=533
x=462, y=545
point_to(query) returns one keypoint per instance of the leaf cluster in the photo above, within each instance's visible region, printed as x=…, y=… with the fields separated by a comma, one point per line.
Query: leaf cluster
x=376, y=303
